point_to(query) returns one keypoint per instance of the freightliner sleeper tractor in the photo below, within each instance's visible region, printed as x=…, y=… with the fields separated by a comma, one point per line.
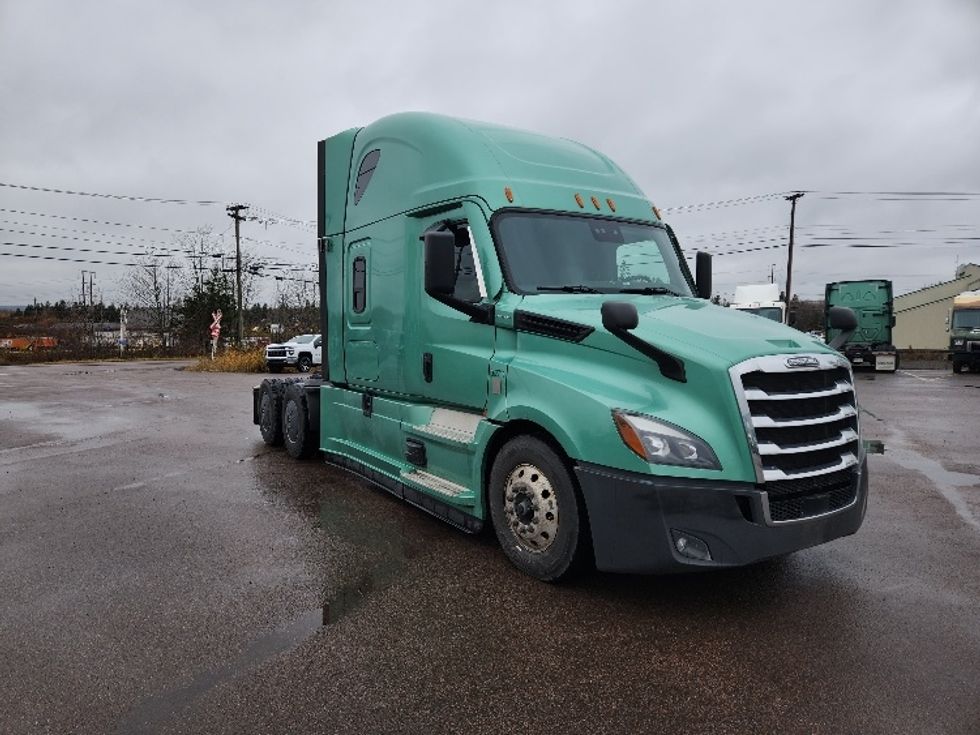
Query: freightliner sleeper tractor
x=512, y=336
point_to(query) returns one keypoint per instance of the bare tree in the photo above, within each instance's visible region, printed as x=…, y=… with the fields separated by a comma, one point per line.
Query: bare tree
x=155, y=286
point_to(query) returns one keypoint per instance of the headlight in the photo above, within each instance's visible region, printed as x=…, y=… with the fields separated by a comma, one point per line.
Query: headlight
x=289, y=350
x=660, y=442
x=957, y=342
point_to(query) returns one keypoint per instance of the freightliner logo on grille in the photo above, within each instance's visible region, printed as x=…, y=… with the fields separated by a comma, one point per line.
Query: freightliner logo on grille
x=801, y=361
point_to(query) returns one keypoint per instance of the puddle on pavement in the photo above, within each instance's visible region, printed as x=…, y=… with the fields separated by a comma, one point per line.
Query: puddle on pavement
x=152, y=713
x=383, y=545
x=949, y=483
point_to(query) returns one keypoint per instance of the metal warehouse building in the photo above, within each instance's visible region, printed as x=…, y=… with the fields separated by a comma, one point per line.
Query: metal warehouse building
x=920, y=316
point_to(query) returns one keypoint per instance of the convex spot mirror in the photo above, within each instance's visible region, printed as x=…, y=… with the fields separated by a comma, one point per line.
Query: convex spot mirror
x=619, y=315
x=842, y=318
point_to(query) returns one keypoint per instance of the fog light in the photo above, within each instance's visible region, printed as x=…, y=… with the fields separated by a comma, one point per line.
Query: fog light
x=691, y=546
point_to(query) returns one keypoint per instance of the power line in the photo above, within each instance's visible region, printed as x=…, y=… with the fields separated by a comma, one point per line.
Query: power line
x=739, y=201
x=94, y=221
x=125, y=197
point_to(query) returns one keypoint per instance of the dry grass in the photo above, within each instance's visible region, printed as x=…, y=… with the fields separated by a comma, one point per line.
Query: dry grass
x=233, y=361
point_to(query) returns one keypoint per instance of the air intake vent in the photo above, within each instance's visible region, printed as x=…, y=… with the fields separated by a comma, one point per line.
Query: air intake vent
x=526, y=321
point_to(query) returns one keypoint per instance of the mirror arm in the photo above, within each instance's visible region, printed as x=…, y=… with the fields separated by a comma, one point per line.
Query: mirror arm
x=479, y=313
x=837, y=342
x=671, y=367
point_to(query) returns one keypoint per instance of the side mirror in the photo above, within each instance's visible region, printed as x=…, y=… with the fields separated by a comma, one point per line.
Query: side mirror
x=844, y=319
x=617, y=315
x=702, y=269
x=440, y=263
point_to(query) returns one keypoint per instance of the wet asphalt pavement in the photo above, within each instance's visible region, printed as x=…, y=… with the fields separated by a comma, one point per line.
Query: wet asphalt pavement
x=163, y=571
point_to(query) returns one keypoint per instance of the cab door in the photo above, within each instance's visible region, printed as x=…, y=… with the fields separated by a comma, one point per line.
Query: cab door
x=452, y=352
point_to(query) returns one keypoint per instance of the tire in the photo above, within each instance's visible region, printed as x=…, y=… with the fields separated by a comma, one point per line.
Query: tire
x=300, y=442
x=305, y=363
x=270, y=412
x=530, y=482
x=958, y=366
x=275, y=368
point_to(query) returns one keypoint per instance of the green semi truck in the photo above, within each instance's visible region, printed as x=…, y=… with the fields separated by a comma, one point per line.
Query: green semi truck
x=870, y=345
x=964, y=332
x=512, y=337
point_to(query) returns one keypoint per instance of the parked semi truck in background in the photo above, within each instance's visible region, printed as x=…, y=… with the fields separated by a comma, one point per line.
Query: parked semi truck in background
x=871, y=343
x=762, y=300
x=512, y=337
x=964, y=332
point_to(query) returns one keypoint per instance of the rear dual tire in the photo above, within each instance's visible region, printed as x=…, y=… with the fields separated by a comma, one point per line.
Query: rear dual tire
x=270, y=412
x=300, y=441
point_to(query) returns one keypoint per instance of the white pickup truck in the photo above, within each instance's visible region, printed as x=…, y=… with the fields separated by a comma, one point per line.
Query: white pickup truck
x=301, y=352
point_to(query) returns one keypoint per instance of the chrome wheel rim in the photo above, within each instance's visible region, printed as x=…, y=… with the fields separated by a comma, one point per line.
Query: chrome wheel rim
x=531, y=508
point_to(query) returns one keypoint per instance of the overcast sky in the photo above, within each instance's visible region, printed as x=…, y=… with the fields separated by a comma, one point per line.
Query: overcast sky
x=699, y=102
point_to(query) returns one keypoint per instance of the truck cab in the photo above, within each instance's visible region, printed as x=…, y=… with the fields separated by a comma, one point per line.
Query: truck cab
x=964, y=332
x=870, y=345
x=514, y=338
x=762, y=300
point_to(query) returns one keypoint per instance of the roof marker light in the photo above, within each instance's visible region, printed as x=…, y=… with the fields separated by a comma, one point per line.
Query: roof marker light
x=509, y=194
x=611, y=203
x=595, y=203
x=656, y=212
x=579, y=201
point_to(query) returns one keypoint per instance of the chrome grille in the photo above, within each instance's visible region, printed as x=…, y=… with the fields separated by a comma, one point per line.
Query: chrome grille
x=275, y=351
x=802, y=424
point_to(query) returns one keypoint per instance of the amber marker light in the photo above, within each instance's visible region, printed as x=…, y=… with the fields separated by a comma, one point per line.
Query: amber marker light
x=595, y=203
x=656, y=212
x=579, y=201
x=629, y=435
x=611, y=203
x=509, y=194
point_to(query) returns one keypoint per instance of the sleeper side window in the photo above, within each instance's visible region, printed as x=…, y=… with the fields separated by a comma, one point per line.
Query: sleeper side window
x=368, y=165
x=359, y=281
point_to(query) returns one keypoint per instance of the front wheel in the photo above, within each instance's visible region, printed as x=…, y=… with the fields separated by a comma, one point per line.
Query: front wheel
x=535, y=509
x=304, y=364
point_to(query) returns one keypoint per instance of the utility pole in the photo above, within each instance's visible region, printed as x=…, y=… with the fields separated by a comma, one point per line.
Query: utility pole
x=789, y=261
x=235, y=212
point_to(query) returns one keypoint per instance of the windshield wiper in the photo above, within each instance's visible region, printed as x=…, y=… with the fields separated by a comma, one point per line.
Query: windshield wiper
x=570, y=289
x=649, y=290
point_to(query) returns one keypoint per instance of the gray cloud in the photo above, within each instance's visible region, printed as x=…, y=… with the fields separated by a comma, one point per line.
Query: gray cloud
x=699, y=102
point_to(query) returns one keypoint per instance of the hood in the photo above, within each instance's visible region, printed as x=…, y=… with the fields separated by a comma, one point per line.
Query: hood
x=689, y=328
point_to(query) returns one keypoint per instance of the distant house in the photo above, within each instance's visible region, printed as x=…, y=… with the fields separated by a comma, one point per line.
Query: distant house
x=920, y=316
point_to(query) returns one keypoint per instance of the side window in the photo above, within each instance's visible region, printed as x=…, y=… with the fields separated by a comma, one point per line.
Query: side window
x=368, y=164
x=467, y=283
x=359, y=281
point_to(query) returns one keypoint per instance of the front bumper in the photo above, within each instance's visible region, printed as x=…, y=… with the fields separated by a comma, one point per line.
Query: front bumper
x=277, y=360
x=632, y=517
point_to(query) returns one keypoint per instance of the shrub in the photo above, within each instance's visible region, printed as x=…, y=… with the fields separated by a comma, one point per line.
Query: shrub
x=233, y=360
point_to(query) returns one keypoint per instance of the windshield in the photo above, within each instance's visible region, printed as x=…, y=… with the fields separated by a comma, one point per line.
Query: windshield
x=302, y=338
x=966, y=319
x=548, y=253
x=769, y=312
